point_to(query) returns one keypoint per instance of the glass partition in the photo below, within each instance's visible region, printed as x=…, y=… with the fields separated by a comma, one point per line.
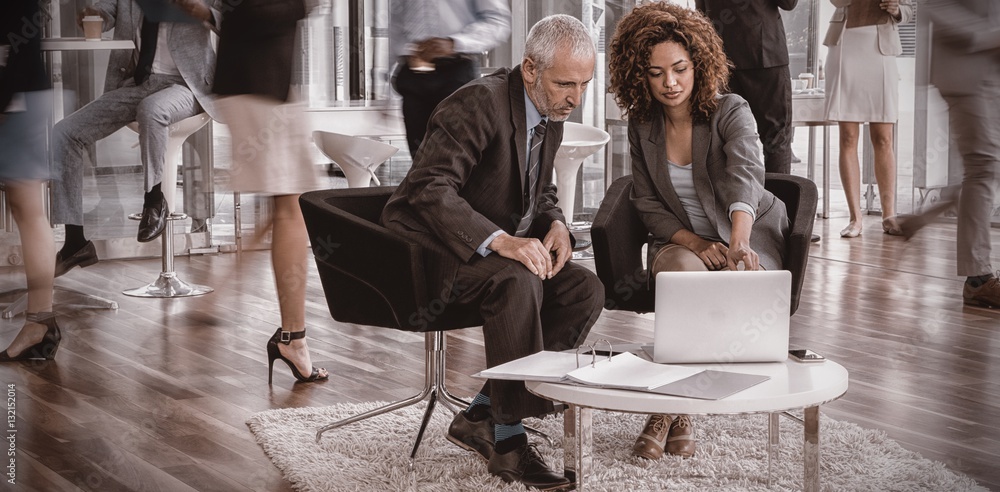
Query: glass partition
x=342, y=72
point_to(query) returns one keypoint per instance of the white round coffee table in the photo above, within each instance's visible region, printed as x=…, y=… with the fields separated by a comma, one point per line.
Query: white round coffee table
x=792, y=386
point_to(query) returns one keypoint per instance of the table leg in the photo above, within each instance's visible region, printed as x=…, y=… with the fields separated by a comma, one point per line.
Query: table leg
x=810, y=450
x=569, y=442
x=826, y=171
x=773, y=441
x=811, y=153
x=578, y=444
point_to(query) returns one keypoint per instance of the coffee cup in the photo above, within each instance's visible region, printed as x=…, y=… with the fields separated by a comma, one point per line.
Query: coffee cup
x=798, y=85
x=808, y=79
x=92, y=27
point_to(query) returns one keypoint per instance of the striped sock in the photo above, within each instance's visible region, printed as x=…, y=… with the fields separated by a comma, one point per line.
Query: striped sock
x=479, y=409
x=509, y=437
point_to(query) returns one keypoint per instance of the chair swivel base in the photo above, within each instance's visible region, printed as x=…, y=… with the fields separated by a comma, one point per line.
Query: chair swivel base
x=582, y=251
x=167, y=285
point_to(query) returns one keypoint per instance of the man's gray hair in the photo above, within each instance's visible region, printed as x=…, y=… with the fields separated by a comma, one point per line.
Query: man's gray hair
x=557, y=31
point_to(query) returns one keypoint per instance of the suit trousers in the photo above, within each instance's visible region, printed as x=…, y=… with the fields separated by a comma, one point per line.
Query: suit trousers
x=422, y=91
x=154, y=105
x=768, y=91
x=975, y=127
x=524, y=314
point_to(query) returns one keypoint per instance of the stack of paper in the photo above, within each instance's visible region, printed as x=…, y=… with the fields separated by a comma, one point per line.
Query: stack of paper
x=627, y=371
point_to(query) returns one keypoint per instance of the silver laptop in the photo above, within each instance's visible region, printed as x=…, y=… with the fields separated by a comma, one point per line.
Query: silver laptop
x=722, y=317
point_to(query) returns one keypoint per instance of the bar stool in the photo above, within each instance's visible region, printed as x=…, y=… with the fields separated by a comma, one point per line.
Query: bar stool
x=168, y=284
x=358, y=157
x=579, y=142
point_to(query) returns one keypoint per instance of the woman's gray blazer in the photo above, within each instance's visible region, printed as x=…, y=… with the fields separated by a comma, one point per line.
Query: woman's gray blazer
x=727, y=167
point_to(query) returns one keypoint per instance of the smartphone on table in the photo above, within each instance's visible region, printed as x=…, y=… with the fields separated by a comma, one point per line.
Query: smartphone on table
x=805, y=355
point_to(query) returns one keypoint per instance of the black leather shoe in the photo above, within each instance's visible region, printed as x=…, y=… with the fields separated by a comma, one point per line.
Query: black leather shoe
x=154, y=219
x=472, y=435
x=526, y=466
x=84, y=257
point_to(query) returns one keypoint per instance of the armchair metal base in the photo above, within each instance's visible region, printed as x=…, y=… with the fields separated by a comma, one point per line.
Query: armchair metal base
x=434, y=390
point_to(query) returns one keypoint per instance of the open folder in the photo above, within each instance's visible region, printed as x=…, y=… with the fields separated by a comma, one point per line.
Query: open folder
x=623, y=371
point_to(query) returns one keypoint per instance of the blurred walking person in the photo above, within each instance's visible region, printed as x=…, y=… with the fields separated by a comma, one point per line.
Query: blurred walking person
x=271, y=153
x=965, y=68
x=435, y=43
x=25, y=108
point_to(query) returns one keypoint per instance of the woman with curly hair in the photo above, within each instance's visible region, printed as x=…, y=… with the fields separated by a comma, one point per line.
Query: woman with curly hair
x=698, y=173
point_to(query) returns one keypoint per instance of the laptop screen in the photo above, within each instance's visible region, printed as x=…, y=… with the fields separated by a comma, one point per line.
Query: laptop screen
x=722, y=316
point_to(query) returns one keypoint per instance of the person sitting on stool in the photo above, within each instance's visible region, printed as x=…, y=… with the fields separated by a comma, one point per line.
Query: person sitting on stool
x=171, y=81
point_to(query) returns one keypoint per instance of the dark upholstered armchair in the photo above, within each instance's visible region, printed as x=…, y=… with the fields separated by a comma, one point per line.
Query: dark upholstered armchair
x=372, y=276
x=619, y=235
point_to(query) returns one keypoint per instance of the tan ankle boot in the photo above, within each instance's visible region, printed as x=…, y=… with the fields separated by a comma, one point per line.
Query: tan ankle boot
x=653, y=439
x=680, y=437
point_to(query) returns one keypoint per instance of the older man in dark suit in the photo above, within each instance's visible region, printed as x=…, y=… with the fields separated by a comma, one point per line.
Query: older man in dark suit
x=480, y=199
x=754, y=39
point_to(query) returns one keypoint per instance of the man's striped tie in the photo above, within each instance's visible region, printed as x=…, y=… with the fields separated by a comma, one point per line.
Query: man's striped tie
x=534, y=161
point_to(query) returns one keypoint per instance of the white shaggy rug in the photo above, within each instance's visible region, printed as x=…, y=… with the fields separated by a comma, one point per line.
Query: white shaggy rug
x=732, y=455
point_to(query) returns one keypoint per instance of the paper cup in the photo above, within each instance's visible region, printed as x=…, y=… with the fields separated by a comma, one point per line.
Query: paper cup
x=92, y=27
x=808, y=79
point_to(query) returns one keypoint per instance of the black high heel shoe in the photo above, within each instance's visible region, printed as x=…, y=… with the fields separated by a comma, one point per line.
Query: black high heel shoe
x=273, y=353
x=43, y=350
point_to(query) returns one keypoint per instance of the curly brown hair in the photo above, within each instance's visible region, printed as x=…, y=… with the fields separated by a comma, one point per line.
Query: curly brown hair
x=649, y=25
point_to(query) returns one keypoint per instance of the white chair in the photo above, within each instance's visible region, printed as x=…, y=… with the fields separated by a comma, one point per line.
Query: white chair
x=358, y=157
x=579, y=142
x=167, y=284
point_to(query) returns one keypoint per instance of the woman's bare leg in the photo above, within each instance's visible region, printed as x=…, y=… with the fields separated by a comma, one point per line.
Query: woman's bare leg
x=289, y=257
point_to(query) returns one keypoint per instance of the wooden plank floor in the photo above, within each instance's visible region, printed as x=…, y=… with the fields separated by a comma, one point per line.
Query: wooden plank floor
x=152, y=397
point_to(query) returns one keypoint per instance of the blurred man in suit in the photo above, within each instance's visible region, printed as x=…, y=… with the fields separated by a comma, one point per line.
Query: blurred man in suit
x=166, y=79
x=754, y=39
x=480, y=200
x=436, y=43
x=965, y=68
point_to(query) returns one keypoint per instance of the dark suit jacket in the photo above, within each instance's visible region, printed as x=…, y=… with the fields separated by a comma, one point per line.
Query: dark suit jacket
x=467, y=180
x=256, y=48
x=751, y=30
x=727, y=167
